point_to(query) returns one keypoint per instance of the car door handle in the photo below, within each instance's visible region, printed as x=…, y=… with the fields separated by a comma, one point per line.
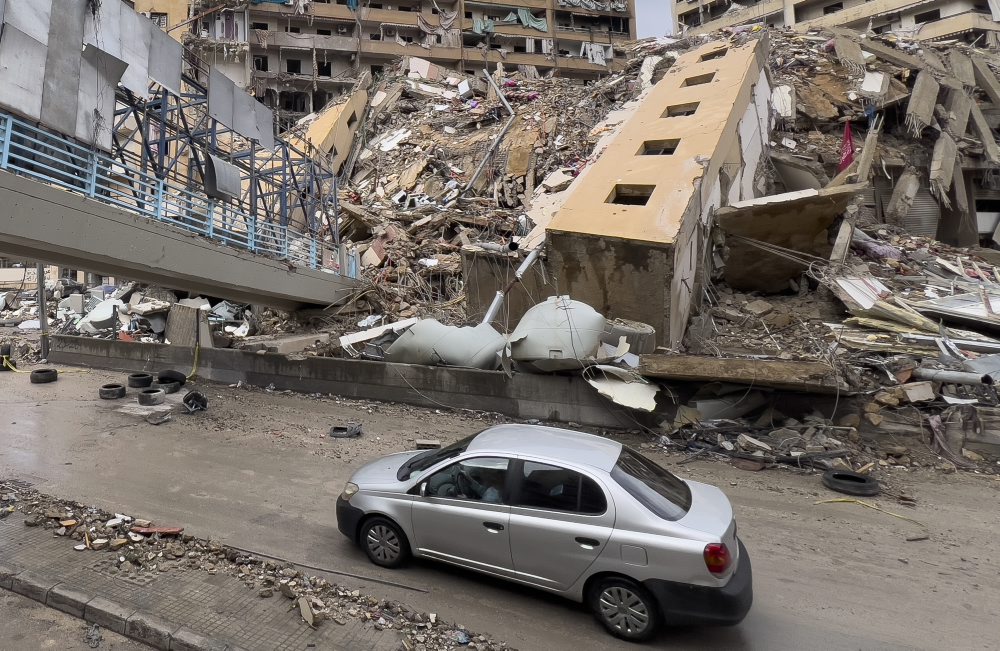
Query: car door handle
x=493, y=527
x=588, y=543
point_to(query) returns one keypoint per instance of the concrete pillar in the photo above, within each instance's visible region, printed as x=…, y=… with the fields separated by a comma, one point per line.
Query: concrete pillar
x=789, y=12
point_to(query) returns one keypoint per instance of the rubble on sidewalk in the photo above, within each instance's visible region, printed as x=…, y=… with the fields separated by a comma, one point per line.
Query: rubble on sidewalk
x=132, y=551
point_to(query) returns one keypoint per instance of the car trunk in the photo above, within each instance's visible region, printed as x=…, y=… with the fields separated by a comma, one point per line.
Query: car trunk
x=712, y=513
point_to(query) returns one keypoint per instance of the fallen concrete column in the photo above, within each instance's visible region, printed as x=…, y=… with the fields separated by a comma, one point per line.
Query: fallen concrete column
x=807, y=376
x=850, y=55
x=991, y=151
x=961, y=66
x=958, y=105
x=986, y=80
x=920, y=109
x=902, y=198
x=943, y=168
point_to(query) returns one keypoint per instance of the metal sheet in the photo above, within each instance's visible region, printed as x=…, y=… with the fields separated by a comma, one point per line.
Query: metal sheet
x=164, y=65
x=104, y=30
x=30, y=17
x=22, y=68
x=136, y=33
x=244, y=119
x=221, y=93
x=99, y=77
x=61, y=83
x=222, y=179
x=265, y=125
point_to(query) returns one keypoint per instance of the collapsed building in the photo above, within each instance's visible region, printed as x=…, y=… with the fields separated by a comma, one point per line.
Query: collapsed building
x=297, y=56
x=937, y=20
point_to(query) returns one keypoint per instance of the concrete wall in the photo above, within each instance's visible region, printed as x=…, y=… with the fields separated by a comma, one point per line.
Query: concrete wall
x=486, y=273
x=39, y=222
x=618, y=278
x=544, y=397
x=624, y=259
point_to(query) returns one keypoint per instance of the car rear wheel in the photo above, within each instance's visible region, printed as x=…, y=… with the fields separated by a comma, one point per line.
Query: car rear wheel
x=625, y=608
x=384, y=543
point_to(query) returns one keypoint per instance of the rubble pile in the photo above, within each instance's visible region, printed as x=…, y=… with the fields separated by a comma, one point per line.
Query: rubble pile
x=445, y=161
x=136, y=547
x=905, y=324
x=135, y=312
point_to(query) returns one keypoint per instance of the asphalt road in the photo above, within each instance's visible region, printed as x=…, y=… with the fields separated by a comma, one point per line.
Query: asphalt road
x=258, y=472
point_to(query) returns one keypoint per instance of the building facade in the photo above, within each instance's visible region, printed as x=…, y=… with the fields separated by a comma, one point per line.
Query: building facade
x=296, y=56
x=936, y=20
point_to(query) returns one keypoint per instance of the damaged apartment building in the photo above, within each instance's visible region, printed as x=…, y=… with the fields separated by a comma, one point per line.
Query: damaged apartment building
x=970, y=21
x=297, y=55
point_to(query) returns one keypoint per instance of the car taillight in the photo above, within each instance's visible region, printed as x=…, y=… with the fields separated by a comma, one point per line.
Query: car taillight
x=717, y=558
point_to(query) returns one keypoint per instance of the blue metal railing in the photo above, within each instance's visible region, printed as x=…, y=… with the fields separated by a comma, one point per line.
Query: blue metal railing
x=58, y=161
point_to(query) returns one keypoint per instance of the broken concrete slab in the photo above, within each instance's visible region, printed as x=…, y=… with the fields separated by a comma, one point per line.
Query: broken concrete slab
x=557, y=181
x=923, y=98
x=962, y=67
x=798, y=173
x=986, y=80
x=958, y=105
x=903, y=195
x=793, y=375
x=982, y=131
x=849, y=54
x=943, y=168
x=795, y=220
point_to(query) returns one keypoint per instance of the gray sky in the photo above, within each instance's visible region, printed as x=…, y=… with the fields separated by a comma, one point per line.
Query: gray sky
x=653, y=17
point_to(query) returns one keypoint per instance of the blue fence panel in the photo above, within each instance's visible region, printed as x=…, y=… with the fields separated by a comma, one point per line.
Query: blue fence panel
x=33, y=153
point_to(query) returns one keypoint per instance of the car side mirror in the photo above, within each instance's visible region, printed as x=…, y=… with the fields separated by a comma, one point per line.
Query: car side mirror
x=423, y=489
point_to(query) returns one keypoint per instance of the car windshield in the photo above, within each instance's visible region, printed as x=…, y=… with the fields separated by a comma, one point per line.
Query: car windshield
x=425, y=460
x=658, y=490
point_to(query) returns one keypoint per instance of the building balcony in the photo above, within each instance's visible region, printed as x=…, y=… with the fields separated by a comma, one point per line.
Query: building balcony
x=752, y=13
x=860, y=13
x=952, y=26
x=342, y=13
x=390, y=49
x=590, y=35
x=306, y=80
x=303, y=41
x=517, y=4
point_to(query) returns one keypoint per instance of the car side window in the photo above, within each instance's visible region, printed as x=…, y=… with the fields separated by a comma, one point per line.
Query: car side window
x=549, y=487
x=481, y=479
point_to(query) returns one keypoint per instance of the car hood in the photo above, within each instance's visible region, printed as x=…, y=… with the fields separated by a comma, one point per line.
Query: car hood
x=382, y=471
x=710, y=510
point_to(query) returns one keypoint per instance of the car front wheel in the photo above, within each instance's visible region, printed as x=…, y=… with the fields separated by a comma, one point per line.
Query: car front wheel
x=384, y=542
x=625, y=608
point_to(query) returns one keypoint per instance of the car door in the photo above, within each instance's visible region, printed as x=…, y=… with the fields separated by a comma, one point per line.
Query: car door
x=461, y=516
x=560, y=521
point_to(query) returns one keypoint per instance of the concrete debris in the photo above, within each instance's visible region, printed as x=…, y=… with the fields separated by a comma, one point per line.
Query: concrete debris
x=138, y=553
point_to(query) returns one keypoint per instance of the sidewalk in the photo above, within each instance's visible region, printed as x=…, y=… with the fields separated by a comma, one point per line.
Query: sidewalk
x=175, y=610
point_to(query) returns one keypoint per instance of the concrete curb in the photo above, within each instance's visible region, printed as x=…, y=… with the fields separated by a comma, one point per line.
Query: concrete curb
x=144, y=627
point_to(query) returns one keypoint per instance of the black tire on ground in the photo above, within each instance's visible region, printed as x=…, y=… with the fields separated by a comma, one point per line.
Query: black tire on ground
x=165, y=377
x=5, y=362
x=140, y=380
x=384, y=542
x=151, y=397
x=195, y=401
x=851, y=483
x=168, y=387
x=4, y=350
x=625, y=608
x=111, y=392
x=44, y=376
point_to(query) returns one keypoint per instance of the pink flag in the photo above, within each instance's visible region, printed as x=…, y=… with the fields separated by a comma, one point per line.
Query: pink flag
x=846, y=148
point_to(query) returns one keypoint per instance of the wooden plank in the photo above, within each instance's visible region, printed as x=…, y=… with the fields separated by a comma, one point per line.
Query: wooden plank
x=806, y=376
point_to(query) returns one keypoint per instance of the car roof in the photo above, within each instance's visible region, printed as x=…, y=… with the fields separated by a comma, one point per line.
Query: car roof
x=551, y=442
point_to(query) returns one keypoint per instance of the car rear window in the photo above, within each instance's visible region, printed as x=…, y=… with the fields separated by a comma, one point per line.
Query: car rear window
x=658, y=490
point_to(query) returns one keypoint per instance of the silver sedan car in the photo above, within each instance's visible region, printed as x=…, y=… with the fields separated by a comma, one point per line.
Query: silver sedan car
x=575, y=514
